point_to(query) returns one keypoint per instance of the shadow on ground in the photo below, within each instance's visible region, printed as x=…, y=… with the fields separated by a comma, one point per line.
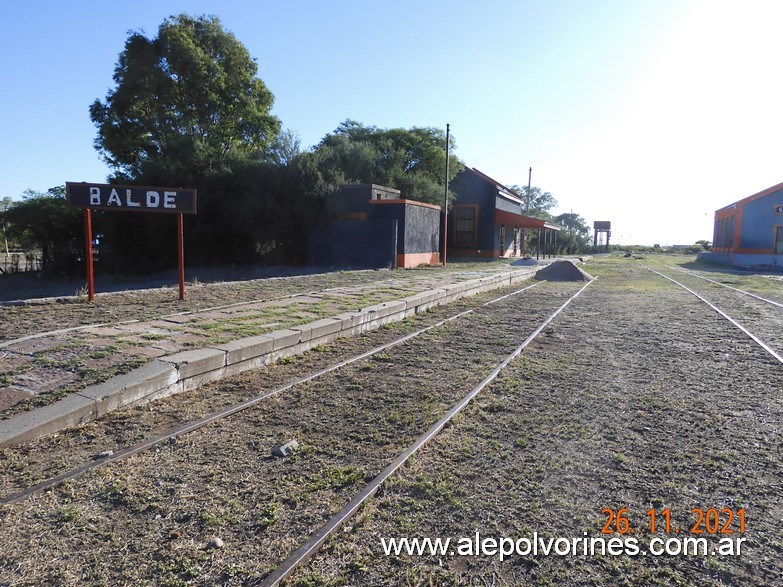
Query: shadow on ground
x=25, y=286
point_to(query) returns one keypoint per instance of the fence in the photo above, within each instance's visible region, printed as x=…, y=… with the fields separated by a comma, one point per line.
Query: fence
x=20, y=261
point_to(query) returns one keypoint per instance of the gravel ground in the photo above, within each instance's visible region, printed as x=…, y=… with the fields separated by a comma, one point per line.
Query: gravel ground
x=761, y=318
x=131, y=518
x=637, y=396
x=640, y=397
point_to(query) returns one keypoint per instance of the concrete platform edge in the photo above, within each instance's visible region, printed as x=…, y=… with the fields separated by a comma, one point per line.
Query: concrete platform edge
x=188, y=370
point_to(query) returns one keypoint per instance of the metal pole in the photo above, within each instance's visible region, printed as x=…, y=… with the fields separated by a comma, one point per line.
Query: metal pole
x=538, y=245
x=446, y=198
x=527, y=211
x=546, y=243
x=88, y=255
x=181, y=254
x=552, y=242
x=551, y=248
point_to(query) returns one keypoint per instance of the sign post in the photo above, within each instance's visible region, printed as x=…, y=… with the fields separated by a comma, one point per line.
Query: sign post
x=88, y=254
x=98, y=196
x=181, y=254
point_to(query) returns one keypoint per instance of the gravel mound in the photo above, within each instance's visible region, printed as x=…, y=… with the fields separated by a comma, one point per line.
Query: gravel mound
x=563, y=271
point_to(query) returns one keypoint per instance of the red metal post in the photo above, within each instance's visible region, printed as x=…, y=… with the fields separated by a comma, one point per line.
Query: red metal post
x=446, y=199
x=88, y=255
x=181, y=254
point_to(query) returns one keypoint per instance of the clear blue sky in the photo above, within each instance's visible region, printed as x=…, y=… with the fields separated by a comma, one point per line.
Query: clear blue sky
x=648, y=113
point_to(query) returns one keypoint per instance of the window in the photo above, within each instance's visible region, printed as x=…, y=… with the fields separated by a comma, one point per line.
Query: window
x=730, y=236
x=779, y=240
x=465, y=221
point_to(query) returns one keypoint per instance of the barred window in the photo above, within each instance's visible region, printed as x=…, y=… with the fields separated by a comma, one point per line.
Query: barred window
x=465, y=230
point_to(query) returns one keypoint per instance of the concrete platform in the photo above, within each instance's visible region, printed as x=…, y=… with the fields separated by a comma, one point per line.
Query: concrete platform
x=179, y=371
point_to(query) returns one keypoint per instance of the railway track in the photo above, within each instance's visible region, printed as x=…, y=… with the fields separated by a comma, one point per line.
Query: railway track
x=230, y=411
x=316, y=540
x=298, y=558
x=592, y=415
x=727, y=286
x=758, y=318
x=347, y=396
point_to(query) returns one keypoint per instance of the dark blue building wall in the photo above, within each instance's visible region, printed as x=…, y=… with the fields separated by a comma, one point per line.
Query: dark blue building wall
x=507, y=205
x=354, y=243
x=759, y=221
x=472, y=190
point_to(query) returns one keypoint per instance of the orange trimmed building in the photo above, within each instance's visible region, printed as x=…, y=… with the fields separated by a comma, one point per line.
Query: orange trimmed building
x=487, y=220
x=749, y=232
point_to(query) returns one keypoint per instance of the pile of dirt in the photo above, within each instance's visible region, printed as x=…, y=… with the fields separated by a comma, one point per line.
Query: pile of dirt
x=563, y=271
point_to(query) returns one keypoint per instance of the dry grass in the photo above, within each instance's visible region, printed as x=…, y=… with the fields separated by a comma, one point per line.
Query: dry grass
x=628, y=400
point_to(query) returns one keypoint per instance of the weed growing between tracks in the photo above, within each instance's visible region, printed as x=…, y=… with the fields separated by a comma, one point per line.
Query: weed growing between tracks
x=122, y=331
x=626, y=401
x=620, y=402
x=163, y=505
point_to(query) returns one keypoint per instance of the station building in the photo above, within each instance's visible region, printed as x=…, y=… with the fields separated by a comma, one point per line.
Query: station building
x=488, y=220
x=749, y=232
x=369, y=225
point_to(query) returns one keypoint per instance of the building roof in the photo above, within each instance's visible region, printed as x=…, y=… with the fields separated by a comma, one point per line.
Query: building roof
x=523, y=221
x=508, y=194
x=503, y=190
x=758, y=196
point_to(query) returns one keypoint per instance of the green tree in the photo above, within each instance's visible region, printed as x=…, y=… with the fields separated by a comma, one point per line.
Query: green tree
x=43, y=221
x=537, y=203
x=187, y=103
x=286, y=147
x=410, y=160
x=5, y=204
x=574, y=236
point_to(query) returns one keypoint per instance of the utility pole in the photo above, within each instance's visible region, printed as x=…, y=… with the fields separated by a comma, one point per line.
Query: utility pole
x=527, y=211
x=446, y=198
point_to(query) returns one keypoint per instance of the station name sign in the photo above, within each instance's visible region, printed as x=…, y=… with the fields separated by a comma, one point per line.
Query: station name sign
x=99, y=196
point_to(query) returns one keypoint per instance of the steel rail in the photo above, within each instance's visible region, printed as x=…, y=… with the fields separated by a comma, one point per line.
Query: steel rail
x=747, y=293
x=233, y=409
x=304, y=552
x=741, y=327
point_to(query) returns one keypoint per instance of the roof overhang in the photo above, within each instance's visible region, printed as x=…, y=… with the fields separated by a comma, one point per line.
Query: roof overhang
x=504, y=217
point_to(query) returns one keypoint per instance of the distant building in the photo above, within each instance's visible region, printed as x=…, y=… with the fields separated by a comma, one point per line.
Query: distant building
x=368, y=225
x=488, y=220
x=602, y=232
x=749, y=232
